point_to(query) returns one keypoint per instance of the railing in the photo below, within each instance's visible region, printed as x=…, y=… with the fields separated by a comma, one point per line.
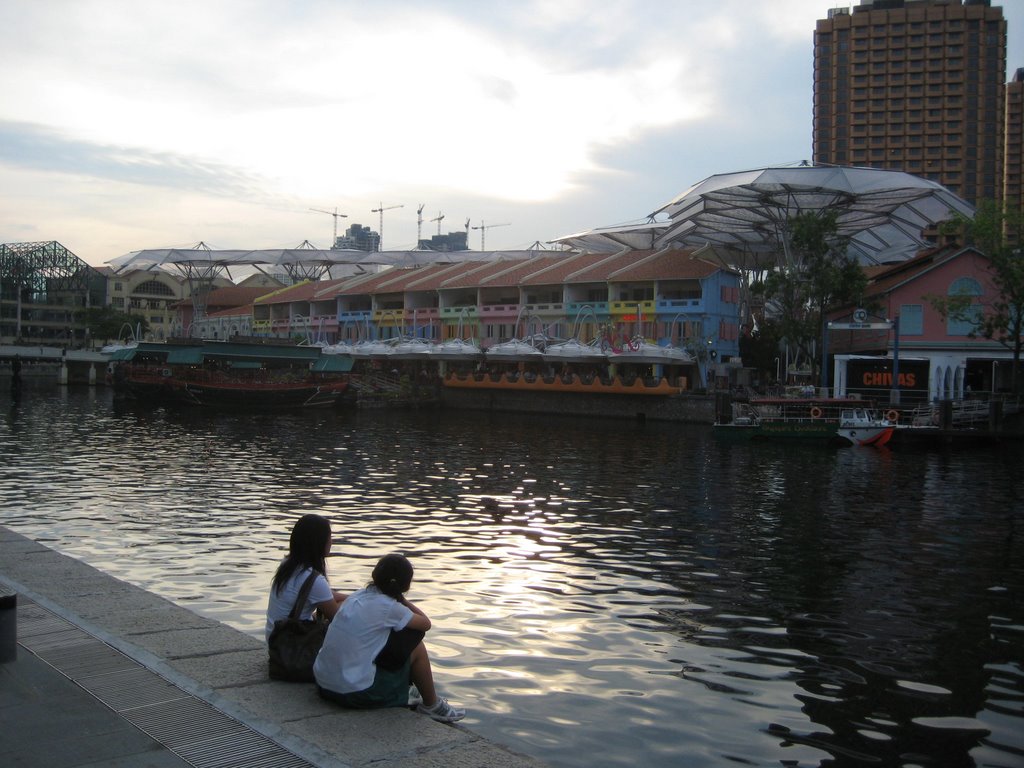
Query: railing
x=566, y=383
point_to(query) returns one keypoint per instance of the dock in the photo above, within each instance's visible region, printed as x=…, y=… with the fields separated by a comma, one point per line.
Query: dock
x=106, y=673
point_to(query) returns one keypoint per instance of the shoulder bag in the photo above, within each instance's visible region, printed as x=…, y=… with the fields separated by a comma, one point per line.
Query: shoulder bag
x=294, y=643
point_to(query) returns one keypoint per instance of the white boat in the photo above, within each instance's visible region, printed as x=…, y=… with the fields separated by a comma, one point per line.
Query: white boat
x=863, y=426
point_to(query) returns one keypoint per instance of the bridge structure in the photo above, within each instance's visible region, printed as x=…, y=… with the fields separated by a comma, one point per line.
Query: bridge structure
x=66, y=366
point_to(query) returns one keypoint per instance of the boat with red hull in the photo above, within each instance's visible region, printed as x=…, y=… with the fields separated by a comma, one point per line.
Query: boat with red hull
x=254, y=376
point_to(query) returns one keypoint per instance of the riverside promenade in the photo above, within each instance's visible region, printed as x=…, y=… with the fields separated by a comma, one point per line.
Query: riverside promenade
x=109, y=674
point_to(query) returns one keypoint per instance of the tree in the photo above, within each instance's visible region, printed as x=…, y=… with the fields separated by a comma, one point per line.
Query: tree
x=817, y=276
x=105, y=323
x=997, y=231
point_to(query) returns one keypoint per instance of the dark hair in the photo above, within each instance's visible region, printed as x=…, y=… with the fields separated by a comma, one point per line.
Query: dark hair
x=393, y=575
x=306, y=548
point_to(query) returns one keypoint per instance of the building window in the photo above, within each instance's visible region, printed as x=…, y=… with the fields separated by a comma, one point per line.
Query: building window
x=967, y=321
x=911, y=320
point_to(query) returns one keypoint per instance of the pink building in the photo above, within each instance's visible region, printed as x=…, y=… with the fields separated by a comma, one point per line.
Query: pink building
x=937, y=357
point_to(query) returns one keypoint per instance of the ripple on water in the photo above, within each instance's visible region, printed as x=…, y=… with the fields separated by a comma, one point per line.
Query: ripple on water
x=603, y=592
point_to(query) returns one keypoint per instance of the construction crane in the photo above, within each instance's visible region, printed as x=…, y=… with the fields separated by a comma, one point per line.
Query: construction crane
x=483, y=230
x=419, y=224
x=381, y=212
x=438, y=220
x=336, y=216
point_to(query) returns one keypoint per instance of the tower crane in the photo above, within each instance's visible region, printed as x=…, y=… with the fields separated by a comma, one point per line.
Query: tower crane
x=419, y=224
x=438, y=220
x=483, y=230
x=336, y=216
x=381, y=210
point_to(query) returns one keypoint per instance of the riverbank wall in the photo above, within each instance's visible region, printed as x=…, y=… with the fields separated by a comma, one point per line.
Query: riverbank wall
x=692, y=409
x=197, y=686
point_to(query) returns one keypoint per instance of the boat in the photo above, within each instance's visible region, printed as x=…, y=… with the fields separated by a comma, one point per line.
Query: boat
x=232, y=374
x=864, y=426
x=786, y=418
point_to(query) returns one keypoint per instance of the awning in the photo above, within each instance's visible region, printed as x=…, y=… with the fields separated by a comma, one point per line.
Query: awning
x=333, y=364
x=185, y=356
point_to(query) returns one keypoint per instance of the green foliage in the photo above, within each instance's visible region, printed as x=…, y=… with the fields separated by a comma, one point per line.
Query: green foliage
x=816, y=277
x=107, y=323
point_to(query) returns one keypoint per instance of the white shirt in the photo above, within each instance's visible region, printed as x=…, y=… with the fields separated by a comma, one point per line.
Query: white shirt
x=280, y=604
x=357, y=634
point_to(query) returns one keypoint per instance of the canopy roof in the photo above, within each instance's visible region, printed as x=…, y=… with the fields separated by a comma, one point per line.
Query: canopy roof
x=309, y=263
x=882, y=212
x=637, y=237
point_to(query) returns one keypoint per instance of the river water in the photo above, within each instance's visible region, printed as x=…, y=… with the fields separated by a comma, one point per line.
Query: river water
x=603, y=593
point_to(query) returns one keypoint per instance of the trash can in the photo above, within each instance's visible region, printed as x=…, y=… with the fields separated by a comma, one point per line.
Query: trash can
x=8, y=626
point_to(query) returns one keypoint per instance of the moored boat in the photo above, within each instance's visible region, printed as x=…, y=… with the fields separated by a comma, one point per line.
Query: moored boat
x=785, y=418
x=230, y=374
x=864, y=426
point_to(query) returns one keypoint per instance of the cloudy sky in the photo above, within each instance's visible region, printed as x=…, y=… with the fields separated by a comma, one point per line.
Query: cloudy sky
x=132, y=124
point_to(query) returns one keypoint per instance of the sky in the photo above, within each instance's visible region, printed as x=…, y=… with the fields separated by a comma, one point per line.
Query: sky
x=133, y=124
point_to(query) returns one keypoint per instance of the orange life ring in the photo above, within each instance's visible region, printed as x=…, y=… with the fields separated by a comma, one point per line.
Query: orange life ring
x=892, y=415
x=815, y=412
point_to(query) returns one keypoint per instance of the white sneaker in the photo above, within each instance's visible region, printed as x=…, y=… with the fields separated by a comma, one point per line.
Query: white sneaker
x=442, y=711
x=414, y=696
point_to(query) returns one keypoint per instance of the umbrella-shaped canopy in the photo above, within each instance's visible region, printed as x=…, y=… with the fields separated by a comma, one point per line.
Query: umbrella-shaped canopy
x=636, y=237
x=574, y=351
x=513, y=350
x=644, y=352
x=457, y=349
x=883, y=213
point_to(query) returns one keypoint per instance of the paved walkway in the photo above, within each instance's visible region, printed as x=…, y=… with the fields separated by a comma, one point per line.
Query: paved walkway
x=109, y=674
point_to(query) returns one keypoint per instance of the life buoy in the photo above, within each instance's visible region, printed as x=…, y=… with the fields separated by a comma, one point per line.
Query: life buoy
x=892, y=415
x=815, y=412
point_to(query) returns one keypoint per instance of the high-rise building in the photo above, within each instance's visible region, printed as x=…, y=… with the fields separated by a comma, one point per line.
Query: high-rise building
x=1013, y=154
x=917, y=86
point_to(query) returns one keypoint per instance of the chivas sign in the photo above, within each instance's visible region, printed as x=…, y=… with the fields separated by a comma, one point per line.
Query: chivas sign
x=873, y=379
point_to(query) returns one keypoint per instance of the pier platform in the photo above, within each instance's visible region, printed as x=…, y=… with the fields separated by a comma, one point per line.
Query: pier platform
x=108, y=674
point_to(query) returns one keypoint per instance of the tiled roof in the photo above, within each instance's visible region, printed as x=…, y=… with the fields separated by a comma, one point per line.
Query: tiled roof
x=666, y=265
x=557, y=272
x=244, y=310
x=891, y=276
x=231, y=296
x=521, y=273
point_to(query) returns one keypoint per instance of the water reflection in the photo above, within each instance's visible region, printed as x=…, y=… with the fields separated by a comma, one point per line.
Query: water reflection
x=602, y=591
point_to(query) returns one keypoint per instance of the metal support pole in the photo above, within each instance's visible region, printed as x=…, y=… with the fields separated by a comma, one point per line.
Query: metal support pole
x=894, y=393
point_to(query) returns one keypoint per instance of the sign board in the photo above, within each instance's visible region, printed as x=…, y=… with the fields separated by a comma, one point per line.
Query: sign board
x=883, y=326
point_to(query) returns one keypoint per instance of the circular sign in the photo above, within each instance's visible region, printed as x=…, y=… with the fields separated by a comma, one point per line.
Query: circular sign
x=860, y=315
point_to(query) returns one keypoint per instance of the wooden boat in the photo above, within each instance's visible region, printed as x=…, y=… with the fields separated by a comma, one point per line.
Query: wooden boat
x=863, y=426
x=230, y=374
x=786, y=418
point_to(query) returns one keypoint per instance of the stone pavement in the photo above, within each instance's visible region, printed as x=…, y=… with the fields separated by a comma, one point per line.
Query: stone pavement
x=109, y=674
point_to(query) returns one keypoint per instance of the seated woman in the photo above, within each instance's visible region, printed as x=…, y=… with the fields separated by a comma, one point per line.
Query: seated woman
x=374, y=648
x=308, y=548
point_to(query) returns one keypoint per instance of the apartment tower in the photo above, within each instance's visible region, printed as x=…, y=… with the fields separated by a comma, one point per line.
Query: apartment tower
x=916, y=86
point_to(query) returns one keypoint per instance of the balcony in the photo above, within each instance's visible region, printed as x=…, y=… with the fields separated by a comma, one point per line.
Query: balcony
x=675, y=306
x=547, y=309
x=498, y=310
x=645, y=306
x=600, y=308
x=355, y=316
x=468, y=311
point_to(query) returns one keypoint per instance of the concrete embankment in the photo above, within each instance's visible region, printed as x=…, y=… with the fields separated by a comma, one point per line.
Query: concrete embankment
x=196, y=688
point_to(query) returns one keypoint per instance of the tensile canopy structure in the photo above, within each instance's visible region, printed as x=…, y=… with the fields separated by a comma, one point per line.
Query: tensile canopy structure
x=881, y=213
